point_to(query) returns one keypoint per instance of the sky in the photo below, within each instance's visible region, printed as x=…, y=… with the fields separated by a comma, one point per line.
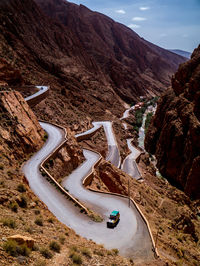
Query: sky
x=171, y=24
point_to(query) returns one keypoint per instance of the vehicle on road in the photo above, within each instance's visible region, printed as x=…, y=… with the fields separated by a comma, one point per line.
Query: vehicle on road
x=113, y=219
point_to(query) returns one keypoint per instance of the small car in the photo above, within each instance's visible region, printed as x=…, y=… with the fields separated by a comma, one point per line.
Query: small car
x=113, y=219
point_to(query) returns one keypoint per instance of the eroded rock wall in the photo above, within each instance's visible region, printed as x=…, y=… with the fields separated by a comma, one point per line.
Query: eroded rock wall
x=174, y=133
x=20, y=131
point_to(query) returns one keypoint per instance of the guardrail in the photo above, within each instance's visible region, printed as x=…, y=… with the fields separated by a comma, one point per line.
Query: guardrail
x=38, y=98
x=53, y=153
x=87, y=180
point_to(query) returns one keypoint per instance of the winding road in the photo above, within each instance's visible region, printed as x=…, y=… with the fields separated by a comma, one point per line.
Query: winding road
x=129, y=164
x=131, y=235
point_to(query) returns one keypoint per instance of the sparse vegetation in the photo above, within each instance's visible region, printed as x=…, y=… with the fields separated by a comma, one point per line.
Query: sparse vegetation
x=23, y=202
x=54, y=246
x=21, y=188
x=14, y=249
x=45, y=137
x=46, y=253
x=86, y=252
x=76, y=258
x=50, y=220
x=39, y=221
x=9, y=222
x=37, y=212
x=115, y=251
x=14, y=206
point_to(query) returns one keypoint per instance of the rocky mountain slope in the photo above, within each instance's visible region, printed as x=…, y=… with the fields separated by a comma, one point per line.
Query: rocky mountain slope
x=49, y=242
x=181, y=52
x=173, y=135
x=128, y=63
x=90, y=61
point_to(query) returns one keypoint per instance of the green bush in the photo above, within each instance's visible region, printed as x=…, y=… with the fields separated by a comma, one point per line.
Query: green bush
x=115, y=251
x=39, y=221
x=86, y=252
x=46, y=253
x=54, y=246
x=21, y=188
x=23, y=202
x=14, y=249
x=45, y=137
x=50, y=220
x=14, y=206
x=9, y=222
x=37, y=212
x=76, y=258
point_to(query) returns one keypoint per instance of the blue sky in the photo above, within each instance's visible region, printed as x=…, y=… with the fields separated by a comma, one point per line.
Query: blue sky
x=172, y=24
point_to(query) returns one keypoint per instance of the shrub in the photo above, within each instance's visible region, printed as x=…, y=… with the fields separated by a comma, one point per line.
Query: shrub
x=1, y=167
x=14, y=249
x=21, y=188
x=74, y=248
x=9, y=222
x=115, y=251
x=23, y=202
x=45, y=137
x=54, y=246
x=86, y=252
x=10, y=247
x=14, y=206
x=46, y=253
x=76, y=258
x=37, y=211
x=39, y=221
x=50, y=220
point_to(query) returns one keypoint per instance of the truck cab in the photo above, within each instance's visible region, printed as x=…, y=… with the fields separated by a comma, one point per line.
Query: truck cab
x=113, y=219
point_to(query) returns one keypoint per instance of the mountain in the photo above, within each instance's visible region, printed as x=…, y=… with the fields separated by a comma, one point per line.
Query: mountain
x=130, y=63
x=181, y=52
x=173, y=135
x=91, y=62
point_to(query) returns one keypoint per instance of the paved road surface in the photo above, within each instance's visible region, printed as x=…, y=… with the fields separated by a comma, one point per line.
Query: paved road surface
x=113, y=152
x=130, y=236
x=42, y=89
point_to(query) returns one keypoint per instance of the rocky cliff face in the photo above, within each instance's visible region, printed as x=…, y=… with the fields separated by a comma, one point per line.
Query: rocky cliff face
x=20, y=132
x=174, y=133
x=90, y=61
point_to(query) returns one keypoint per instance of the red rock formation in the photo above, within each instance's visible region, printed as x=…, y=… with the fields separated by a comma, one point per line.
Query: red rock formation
x=20, y=132
x=174, y=133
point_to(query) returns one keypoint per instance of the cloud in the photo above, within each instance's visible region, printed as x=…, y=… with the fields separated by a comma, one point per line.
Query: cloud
x=139, y=19
x=144, y=8
x=120, y=11
x=134, y=26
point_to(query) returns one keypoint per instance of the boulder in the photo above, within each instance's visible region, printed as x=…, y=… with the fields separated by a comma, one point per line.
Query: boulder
x=23, y=240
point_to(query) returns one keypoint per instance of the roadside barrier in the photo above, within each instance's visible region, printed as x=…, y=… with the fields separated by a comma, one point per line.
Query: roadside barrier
x=52, y=154
x=88, y=179
x=85, y=182
x=38, y=98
